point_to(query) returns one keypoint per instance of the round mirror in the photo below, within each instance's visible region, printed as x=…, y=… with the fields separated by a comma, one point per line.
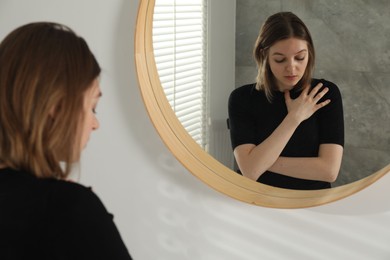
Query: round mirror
x=200, y=163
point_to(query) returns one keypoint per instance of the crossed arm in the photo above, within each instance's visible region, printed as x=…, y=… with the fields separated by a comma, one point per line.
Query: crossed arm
x=253, y=162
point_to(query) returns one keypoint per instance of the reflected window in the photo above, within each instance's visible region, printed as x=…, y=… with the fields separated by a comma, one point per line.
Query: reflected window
x=179, y=42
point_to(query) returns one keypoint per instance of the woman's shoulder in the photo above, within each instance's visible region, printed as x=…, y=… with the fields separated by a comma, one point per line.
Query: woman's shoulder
x=49, y=195
x=77, y=213
x=245, y=92
x=71, y=194
x=333, y=88
x=69, y=187
x=32, y=184
x=245, y=97
x=331, y=85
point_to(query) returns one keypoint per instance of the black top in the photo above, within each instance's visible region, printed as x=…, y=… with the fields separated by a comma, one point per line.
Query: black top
x=253, y=118
x=53, y=219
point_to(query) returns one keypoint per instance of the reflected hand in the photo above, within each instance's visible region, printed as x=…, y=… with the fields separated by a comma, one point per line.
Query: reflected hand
x=306, y=104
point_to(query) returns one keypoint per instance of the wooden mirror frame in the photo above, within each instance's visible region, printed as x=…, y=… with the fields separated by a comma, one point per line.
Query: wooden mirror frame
x=200, y=163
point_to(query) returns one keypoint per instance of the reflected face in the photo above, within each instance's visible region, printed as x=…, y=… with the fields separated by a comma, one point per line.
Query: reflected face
x=288, y=61
x=90, y=123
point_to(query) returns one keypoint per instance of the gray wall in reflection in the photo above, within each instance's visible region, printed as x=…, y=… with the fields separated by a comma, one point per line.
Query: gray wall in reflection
x=352, y=43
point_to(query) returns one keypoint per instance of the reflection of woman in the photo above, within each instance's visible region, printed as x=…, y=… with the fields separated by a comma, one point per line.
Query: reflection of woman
x=287, y=129
x=49, y=91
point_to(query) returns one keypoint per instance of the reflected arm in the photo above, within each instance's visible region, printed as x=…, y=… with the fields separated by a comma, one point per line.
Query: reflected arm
x=325, y=167
x=255, y=160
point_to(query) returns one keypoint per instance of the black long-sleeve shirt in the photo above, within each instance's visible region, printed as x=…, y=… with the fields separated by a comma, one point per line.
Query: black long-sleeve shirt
x=54, y=219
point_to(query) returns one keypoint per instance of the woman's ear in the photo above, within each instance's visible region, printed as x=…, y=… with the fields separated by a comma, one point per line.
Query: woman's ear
x=53, y=111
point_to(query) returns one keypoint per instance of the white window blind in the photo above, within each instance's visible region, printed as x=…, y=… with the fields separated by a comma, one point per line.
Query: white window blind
x=179, y=42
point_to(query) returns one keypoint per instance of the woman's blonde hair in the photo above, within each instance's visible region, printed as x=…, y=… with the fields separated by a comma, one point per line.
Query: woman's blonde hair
x=277, y=27
x=45, y=70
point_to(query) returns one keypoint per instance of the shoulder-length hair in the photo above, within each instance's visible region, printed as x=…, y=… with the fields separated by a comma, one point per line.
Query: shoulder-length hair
x=277, y=27
x=45, y=70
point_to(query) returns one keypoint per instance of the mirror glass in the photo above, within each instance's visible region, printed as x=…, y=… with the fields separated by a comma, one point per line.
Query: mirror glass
x=352, y=50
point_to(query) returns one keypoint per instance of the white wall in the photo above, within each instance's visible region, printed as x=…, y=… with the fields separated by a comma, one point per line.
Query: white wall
x=162, y=211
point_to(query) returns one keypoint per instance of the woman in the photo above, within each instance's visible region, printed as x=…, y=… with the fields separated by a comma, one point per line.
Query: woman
x=287, y=129
x=49, y=91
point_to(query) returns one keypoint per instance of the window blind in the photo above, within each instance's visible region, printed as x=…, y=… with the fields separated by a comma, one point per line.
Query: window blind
x=179, y=42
